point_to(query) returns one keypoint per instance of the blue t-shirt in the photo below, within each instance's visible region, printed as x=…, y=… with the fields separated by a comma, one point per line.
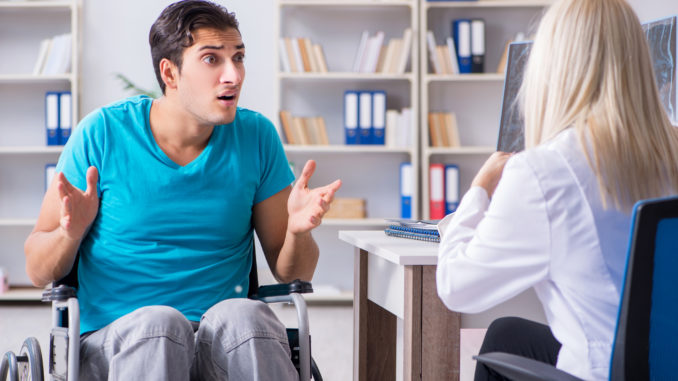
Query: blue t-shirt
x=167, y=234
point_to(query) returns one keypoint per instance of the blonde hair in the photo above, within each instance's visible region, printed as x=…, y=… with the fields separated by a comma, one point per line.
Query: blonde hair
x=589, y=69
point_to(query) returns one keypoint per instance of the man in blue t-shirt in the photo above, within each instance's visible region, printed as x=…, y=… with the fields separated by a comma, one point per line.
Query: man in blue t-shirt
x=160, y=198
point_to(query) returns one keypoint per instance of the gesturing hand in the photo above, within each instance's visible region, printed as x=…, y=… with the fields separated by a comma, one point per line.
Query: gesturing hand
x=78, y=208
x=306, y=206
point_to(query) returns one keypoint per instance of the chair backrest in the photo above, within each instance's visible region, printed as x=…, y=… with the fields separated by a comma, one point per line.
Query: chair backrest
x=647, y=324
x=71, y=279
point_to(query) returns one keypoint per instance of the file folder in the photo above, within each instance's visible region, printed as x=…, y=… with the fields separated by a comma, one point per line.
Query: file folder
x=50, y=171
x=477, y=46
x=406, y=188
x=462, y=40
x=436, y=191
x=52, y=117
x=378, y=117
x=351, y=116
x=451, y=188
x=365, y=117
x=65, y=114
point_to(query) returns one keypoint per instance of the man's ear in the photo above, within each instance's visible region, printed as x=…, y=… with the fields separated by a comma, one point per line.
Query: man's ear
x=169, y=73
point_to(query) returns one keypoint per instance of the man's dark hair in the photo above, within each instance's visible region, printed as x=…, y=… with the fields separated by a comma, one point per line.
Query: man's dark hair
x=173, y=31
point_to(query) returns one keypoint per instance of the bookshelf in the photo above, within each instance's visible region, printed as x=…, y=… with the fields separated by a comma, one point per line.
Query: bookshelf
x=475, y=99
x=370, y=172
x=23, y=149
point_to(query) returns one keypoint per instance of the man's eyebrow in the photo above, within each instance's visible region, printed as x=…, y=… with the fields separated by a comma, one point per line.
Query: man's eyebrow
x=219, y=47
x=213, y=47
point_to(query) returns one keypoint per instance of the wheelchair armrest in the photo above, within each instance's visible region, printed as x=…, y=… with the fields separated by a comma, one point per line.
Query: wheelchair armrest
x=523, y=368
x=61, y=292
x=296, y=286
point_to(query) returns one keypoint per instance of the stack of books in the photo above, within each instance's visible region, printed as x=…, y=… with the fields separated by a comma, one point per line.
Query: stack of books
x=300, y=55
x=443, y=129
x=303, y=130
x=413, y=229
x=375, y=57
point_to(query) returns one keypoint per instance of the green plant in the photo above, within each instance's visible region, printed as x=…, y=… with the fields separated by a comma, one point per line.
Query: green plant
x=130, y=86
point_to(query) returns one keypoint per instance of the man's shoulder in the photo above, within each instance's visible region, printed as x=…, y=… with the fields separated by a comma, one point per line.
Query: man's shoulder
x=139, y=102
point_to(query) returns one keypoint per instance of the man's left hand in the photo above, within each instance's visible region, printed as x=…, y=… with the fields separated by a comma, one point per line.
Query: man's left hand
x=306, y=207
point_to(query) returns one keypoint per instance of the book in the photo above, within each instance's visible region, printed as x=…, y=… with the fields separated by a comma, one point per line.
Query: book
x=369, y=64
x=477, y=46
x=365, y=117
x=404, y=53
x=284, y=59
x=296, y=51
x=52, y=117
x=452, y=129
x=406, y=190
x=65, y=116
x=451, y=188
x=320, y=58
x=342, y=207
x=322, y=130
x=50, y=172
x=351, y=117
x=286, y=123
x=289, y=49
x=436, y=191
x=431, y=43
x=452, y=51
x=357, y=62
x=45, y=46
x=413, y=229
x=412, y=235
x=378, y=117
x=462, y=41
x=434, y=130
x=58, y=60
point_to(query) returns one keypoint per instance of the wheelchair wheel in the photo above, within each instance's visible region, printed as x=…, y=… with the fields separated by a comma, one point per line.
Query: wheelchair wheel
x=30, y=365
x=8, y=364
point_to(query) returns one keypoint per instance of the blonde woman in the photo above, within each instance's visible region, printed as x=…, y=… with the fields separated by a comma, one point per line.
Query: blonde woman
x=598, y=140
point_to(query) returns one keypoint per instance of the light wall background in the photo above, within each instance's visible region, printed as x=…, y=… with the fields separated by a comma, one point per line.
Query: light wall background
x=115, y=40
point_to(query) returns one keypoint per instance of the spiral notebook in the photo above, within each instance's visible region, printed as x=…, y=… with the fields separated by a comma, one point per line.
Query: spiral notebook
x=414, y=229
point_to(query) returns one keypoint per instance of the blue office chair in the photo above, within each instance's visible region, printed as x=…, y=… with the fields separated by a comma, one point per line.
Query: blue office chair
x=647, y=328
x=64, y=343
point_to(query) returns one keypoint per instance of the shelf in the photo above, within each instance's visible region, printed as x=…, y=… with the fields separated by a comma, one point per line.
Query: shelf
x=36, y=4
x=22, y=294
x=35, y=78
x=488, y=4
x=464, y=77
x=477, y=150
x=334, y=3
x=344, y=149
x=375, y=222
x=28, y=222
x=341, y=76
x=31, y=150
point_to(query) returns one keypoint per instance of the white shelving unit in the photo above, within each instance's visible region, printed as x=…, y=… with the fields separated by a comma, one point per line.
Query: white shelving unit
x=474, y=98
x=23, y=149
x=368, y=172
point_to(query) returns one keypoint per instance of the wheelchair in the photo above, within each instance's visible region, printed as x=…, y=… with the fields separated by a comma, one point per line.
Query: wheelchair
x=64, y=341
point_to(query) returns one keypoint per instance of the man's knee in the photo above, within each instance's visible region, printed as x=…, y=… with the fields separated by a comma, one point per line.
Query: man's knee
x=157, y=322
x=238, y=320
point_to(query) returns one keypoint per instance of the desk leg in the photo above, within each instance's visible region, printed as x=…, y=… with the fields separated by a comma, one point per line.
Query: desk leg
x=440, y=333
x=412, y=345
x=374, y=332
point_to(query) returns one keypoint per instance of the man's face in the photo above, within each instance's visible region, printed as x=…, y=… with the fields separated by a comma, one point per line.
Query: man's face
x=211, y=75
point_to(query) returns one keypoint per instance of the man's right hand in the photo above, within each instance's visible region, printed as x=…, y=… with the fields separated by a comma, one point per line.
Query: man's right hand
x=78, y=208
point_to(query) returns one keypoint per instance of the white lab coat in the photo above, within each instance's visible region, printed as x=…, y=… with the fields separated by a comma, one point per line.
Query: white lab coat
x=545, y=227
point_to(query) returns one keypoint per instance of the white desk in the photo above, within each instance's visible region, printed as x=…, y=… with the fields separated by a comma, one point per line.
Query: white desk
x=395, y=278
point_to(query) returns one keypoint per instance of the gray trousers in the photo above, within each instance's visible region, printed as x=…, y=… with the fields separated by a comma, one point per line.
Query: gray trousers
x=237, y=339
